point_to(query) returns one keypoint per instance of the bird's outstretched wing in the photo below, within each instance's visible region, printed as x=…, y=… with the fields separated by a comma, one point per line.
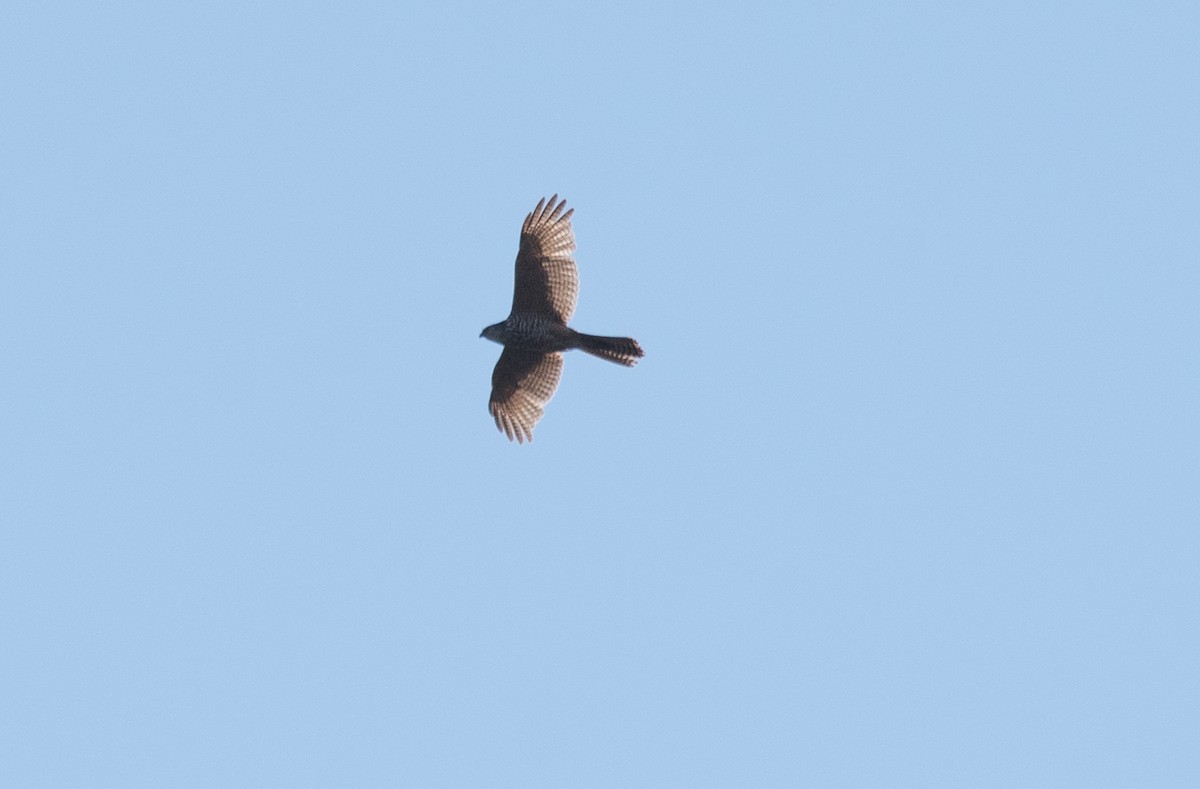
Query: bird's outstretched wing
x=547, y=281
x=522, y=383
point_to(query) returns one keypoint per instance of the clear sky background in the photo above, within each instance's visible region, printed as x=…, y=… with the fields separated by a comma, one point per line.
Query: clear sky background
x=904, y=493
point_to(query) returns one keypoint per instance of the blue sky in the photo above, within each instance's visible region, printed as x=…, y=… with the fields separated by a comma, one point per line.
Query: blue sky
x=904, y=492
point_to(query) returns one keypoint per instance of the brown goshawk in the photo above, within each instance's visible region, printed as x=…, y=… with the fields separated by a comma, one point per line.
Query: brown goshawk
x=536, y=332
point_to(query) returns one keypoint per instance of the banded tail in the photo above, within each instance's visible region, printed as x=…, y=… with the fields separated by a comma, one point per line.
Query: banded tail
x=622, y=350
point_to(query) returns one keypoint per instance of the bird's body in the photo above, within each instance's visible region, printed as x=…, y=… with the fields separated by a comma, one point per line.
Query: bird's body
x=532, y=331
x=536, y=332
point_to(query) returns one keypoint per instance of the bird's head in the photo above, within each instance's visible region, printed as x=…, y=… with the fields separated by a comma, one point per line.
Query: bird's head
x=495, y=332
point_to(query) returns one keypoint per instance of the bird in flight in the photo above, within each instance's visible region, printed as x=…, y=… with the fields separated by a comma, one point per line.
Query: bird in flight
x=536, y=333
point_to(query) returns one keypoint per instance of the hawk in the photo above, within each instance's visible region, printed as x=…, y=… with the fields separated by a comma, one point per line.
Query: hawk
x=536, y=332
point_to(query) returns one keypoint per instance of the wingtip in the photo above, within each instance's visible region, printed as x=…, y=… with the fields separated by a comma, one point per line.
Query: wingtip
x=547, y=210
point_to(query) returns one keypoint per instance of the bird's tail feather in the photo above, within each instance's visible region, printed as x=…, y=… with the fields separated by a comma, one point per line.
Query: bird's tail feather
x=622, y=350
